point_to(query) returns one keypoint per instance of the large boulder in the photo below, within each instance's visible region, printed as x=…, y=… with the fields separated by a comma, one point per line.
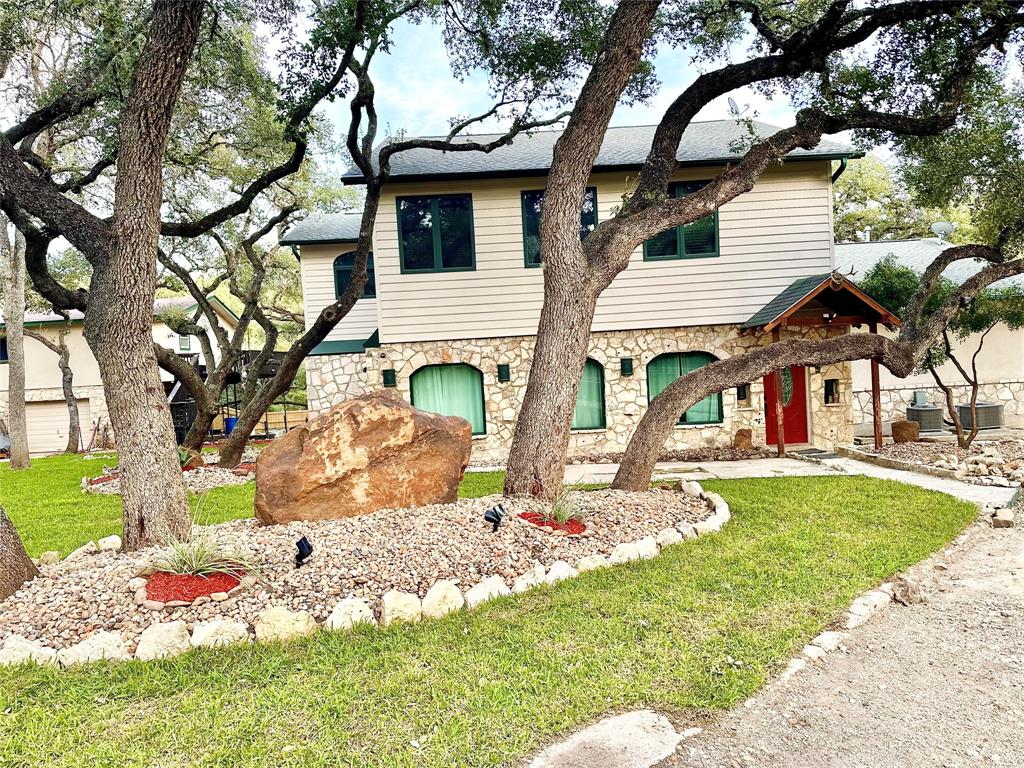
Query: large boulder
x=905, y=431
x=373, y=452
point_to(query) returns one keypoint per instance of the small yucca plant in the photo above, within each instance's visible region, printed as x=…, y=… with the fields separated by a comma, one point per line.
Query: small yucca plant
x=566, y=507
x=203, y=555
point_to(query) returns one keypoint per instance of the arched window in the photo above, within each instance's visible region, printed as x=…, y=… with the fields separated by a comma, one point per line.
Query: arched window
x=664, y=369
x=343, y=266
x=589, y=413
x=456, y=389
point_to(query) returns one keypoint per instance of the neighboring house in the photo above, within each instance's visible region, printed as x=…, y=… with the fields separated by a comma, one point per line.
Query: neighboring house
x=1000, y=364
x=45, y=406
x=450, y=314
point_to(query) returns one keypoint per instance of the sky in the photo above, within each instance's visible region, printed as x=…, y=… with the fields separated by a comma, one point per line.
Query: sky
x=417, y=93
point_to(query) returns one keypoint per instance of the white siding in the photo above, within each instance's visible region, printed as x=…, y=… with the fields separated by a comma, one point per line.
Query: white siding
x=317, y=268
x=778, y=232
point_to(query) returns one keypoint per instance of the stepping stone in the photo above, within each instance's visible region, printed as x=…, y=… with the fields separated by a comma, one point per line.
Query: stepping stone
x=634, y=740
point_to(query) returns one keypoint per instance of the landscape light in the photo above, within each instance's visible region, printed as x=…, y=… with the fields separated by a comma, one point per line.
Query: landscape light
x=305, y=550
x=495, y=515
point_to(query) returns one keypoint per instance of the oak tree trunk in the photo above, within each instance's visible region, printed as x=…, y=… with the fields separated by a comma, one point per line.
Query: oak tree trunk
x=15, y=566
x=12, y=254
x=118, y=325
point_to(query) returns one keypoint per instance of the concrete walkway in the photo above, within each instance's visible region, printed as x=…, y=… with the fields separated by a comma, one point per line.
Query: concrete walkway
x=936, y=685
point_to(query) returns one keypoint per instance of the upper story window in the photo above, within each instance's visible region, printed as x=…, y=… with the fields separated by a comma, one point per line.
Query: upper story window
x=3, y=349
x=343, y=266
x=664, y=369
x=184, y=343
x=435, y=233
x=696, y=240
x=532, y=201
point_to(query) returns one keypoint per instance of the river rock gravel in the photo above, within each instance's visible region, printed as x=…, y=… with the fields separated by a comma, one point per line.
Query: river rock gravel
x=199, y=480
x=365, y=557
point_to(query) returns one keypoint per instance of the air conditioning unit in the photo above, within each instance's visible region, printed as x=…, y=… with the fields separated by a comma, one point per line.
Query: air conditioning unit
x=990, y=415
x=929, y=417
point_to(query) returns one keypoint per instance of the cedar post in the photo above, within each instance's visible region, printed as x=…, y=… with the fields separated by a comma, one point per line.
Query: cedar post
x=876, y=396
x=780, y=422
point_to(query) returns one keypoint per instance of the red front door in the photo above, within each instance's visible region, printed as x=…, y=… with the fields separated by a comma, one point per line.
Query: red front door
x=794, y=405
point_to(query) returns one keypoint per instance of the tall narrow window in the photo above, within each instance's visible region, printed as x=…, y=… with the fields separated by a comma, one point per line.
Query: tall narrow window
x=343, y=267
x=3, y=349
x=184, y=343
x=532, y=202
x=664, y=369
x=452, y=390
x=589, y=413
x=696, y=240
x=435, y=233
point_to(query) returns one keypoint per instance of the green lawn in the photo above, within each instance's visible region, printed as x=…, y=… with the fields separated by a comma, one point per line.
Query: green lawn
x=485, y=688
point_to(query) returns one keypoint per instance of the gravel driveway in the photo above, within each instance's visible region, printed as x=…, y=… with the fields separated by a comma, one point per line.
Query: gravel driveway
x=937, y=684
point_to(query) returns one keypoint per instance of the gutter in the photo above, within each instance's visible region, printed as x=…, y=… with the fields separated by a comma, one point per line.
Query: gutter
x=843, y=162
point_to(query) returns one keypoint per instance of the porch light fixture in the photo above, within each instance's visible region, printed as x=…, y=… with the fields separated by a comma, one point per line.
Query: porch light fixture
x=390, y=379
x=504, y=372
x=495, y=515
x=305, y=550
x=626, y=366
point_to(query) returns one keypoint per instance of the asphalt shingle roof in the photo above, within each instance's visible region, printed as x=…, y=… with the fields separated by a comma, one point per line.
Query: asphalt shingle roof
x=917, y=254
x=789, y=296
x=324, y=228
x=626, y=147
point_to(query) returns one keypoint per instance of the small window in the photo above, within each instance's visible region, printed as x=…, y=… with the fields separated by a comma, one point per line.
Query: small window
x=696, y=240
x=532, y=201
x=452, y=390
x=743, y=396
x=664, y=369
x=435, y=234
x=343, y=266
x=184, y=343
x=3, y=349
x=589, y=413
x=831, y=391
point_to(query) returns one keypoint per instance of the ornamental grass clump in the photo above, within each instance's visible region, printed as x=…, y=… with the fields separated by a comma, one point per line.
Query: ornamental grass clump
x=203, y=555
x=566, y=506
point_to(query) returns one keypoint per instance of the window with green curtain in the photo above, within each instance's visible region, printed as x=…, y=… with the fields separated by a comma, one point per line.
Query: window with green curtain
x=435, y=233
x=531, y=202
x=343, y=266
x=696, y=240
x=664, y=369
x=455, y=389
x=3, y=349
x=589, y=413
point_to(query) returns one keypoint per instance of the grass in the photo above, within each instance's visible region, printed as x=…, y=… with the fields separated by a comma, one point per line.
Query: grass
x=487, y=687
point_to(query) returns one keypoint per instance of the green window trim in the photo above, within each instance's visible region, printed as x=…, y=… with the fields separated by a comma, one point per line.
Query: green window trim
x=666, y=368
x=344, y=263
x=452, y=389
x=589, y=412
x=530, y=211
x=679, y=235
x=3, y=350
x=435, y=231
x=184, y=343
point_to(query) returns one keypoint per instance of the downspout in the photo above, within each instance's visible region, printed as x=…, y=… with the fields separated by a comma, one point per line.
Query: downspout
x=843, y=162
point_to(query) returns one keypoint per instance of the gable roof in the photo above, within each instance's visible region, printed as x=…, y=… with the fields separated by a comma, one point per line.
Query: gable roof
x=325, y=228
x=830, y=291
x=160, y=305
x=624, y=148
x=917, y=253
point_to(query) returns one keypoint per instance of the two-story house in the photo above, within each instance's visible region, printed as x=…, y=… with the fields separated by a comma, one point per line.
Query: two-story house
x=45, y=408
x=451, y=310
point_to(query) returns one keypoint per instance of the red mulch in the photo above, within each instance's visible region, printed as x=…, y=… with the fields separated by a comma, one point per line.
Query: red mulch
x=245, y=468
x=570, y=526
x=102, y=479
x=166, y=587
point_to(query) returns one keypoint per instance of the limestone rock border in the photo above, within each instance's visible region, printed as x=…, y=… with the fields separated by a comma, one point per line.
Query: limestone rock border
x=277, y=623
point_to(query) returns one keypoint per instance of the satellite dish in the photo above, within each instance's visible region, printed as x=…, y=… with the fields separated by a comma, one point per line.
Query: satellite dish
x=734, y=108
x=943, y=229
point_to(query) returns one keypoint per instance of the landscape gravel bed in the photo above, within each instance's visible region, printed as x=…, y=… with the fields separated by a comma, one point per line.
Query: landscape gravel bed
x=985, y=462
x=197, y=480
x=364, y=557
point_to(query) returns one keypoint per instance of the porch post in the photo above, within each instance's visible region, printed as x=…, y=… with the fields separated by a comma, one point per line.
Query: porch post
x=780, y=433
x=876, y=396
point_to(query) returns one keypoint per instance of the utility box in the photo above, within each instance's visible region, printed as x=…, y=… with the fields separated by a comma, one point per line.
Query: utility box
x=990, y=415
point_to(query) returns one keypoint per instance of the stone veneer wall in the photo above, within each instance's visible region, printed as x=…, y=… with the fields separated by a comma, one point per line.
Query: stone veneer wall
x=333, y=378
x=896, y=399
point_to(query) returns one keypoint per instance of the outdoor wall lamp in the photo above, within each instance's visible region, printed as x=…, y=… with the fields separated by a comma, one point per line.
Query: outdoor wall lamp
x=504, y=372
x=626, y=366
x=390, y=378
